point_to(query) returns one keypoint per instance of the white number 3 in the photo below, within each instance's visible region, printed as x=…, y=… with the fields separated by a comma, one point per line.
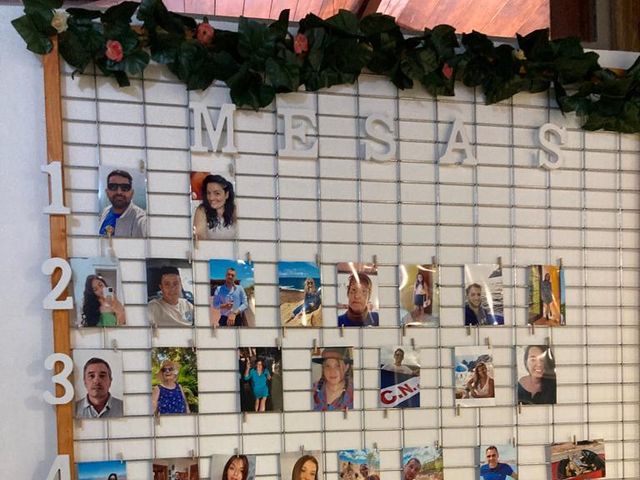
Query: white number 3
x=60, y=464
x=59, y=378
x=50, y=302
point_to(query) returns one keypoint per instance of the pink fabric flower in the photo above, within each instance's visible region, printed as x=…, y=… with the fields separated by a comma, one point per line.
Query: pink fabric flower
x=447, y=71
x=114, y=51
x=205, y=32
x=300, y=44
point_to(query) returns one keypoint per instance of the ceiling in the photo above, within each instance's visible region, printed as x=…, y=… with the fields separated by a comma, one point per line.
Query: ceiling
x=498, y=18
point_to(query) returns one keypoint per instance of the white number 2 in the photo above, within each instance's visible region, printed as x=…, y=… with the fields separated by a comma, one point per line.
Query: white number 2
x=60, y=464
x=61, y=378
x=50, y=302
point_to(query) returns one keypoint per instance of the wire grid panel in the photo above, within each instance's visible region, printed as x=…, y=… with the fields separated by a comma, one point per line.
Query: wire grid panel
x=339, y=207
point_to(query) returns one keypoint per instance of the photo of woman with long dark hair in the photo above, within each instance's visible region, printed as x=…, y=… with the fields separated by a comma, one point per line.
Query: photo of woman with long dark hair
x=215, y=217
x=100, y=307
x=539, y=385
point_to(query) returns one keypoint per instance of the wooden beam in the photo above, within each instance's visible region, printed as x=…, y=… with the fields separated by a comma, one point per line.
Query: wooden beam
x=625, y=25
x=58, y=239
x=573, y=18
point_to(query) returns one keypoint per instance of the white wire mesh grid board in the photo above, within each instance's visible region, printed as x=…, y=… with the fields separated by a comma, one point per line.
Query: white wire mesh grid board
x=339, y=207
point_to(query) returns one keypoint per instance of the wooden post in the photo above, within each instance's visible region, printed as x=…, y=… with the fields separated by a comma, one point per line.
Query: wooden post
x=58, y=239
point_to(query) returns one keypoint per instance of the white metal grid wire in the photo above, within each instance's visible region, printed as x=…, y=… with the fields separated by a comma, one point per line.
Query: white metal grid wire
x=339, y=207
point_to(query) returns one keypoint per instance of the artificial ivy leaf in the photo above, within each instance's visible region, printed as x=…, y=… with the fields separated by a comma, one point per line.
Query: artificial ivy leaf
x=378, y=23
x=165, y=48
x=88, y=32
x=477, y=43
x=73, y=50
x=223, y=65
x=122, y=79
x=536, y=45
x=573, y=69
x=32, y=5
x=444, y=40
x=83, y=13
x=36, y=41
x=255, y=42
x=349, y=55
x=497, y=89
x=280, y=28
x=283, y=74
x=120, y=13
x=154, y=14
x=345, y=22
x=311, y=21
x=135, y=62
x=247, y=88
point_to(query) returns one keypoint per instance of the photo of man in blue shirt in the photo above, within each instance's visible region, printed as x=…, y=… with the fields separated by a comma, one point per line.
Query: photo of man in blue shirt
x=493, y=469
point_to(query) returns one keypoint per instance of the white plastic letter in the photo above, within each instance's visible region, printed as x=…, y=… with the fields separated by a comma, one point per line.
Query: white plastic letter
x=553, y=158
x=60, y=464
x=225, y=118
x=458, y=142
x=56, y=207
x=50, y=302
x=382, y=135
x=61, y=378
x=299, y=133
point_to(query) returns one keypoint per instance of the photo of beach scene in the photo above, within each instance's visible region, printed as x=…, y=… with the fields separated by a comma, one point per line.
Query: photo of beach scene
x=300, y=294
x=361, y=464
x=107, y=470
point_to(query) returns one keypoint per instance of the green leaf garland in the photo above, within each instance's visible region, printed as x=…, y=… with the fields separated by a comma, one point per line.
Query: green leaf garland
x=260, y=59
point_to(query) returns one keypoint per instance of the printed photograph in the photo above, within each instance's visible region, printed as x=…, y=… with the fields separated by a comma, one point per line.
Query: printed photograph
x=422, y=463
x=260, y=373
x=474, y=376
x=107, y=470
x=580, y=460
x=536, y=375
x=234, y=467
x=174, y=380
x=122, y=199
x=232, y=293
x=332, y=377
x=97, y=288
x=399, y=377
x=175, y=468
x=358, y=301
x=300, y=295
x=359, y=464
x=498, y=462
x=213, y=205
x=169, y=292
x=483, y=294
x=419, y=295
x=546, y=296
x=98, y=384
x=305, y=465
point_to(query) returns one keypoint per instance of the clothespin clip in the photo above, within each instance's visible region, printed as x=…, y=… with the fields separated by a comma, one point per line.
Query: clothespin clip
x=192, y=345
x=468, y=328
x=342, y=330
x=236, y=452
x=532, y=329
x=141, y=165
x=487, y=340
x=190, y=256
x=457, y=409
x=156, y=418
x=77, y=422
x=433, y=260
x=318, y=259
x=375, y=446
x=375, y=261
x=279, y=343
x=519, y=408
x=560, y=263
x=500, y=262
x=109, y=233
x=574, y=440
x=284, y=331
x=301, y=449
x=244, y=417
x=404, y=330
x=413, y=343
x=120, y=457
x=248, y=258
x=214, y=331
x=316, y=350
x=231, y=170
x=192, y=454
x=154, y=329
x=385, y=413
x=513, y=441
x=548, y=341
x=114, y=344
x=345, y=410
x=437, y=444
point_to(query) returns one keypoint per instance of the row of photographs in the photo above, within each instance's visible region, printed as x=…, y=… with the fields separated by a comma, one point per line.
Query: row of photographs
x=174, y=379
x=582, y=460
x=170, y=297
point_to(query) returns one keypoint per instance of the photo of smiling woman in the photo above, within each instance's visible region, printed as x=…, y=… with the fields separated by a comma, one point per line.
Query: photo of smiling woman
x=215, y=214
x=333, y=379
x=537, y=370
x=235, y=467
x=297, y=466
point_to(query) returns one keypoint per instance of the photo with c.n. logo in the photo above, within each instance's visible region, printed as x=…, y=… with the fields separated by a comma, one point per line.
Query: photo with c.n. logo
x=399, y=377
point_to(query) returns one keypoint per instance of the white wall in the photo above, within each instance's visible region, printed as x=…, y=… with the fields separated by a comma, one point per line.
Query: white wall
x=27, y=424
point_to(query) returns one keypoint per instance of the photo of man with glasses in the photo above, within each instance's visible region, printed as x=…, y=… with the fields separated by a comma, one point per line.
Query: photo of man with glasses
x=123, y=218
